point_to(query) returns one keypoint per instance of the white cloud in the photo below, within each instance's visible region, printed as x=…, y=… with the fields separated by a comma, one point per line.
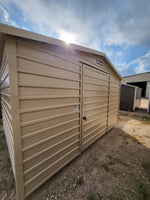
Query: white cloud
x=142, y=64
x=4, y=13
x=95, y=23
x=132, y=24
x=88, y=22
x=125, y=69
x=5, y=18
x=119, y=53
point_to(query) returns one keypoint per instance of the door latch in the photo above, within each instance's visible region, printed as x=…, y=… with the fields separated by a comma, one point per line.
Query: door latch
x=84, y=118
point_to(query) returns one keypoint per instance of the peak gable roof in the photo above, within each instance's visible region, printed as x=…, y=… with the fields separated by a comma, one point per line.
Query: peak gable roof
x=9, y=30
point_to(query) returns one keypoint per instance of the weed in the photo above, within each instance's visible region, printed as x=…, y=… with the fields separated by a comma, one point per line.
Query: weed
x=120, y=161
x=80, y=180
x=145, y=120
x=142, y=190
x=106, y=167
x=3, y=136
x=146, y=166
x=4, y=184
x=11, y=182
x=94, y=156
x=96, y=165
x=2, y=131
x=111, y=162
x=2, y=146
x=110, y=157
x=114, y=160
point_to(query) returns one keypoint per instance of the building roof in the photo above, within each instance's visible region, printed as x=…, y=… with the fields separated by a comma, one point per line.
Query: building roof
x=130, y=85
x=136, y=74
x=13, y=31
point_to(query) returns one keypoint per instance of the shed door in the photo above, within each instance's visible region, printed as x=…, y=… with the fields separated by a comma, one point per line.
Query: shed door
x=95, y=105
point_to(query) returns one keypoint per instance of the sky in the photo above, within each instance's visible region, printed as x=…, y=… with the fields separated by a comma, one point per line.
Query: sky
x=121, y=29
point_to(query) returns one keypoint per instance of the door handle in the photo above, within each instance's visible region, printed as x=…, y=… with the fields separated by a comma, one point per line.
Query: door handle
x=84, y=118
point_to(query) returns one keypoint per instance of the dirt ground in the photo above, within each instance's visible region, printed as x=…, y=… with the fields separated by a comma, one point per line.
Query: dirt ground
x=116, y=167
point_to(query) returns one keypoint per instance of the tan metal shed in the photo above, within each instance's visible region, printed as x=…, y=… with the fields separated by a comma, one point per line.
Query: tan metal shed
x=56, y=101
x=130, y=97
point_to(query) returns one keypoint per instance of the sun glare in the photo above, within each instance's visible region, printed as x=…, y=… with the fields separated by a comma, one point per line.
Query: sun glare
x=67, y=37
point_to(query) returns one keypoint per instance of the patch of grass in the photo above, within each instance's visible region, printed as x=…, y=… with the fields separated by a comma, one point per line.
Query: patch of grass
x=146, y=166
x=145, y=117
x=94, y=156
x=115, y=160
x=110, y=157
x=2, y=146
x=145, y=120
x=96, y=165
x=3, y=135
x=80, y=180
x=120, y=161
x=106, y=167
x=111, y=162
x=11, y=183
x=4, y=184
x=142, y=191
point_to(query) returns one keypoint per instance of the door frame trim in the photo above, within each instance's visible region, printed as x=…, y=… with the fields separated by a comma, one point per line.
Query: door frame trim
x=82, y=97
x=81, y=107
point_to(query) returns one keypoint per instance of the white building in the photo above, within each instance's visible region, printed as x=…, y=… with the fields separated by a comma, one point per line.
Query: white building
x=140, y=80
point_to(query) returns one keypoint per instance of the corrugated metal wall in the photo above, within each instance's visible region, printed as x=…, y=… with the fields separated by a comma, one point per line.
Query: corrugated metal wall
x=130, y=97
x=127, y=97
x=6, y=105
x=49, y=89
x=55, y=89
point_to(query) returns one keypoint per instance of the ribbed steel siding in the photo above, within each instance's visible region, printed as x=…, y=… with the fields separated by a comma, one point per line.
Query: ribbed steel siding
x=114, y=98
x=95, y=103
x=49, y=88
x=127, y=97
x=6, y=107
